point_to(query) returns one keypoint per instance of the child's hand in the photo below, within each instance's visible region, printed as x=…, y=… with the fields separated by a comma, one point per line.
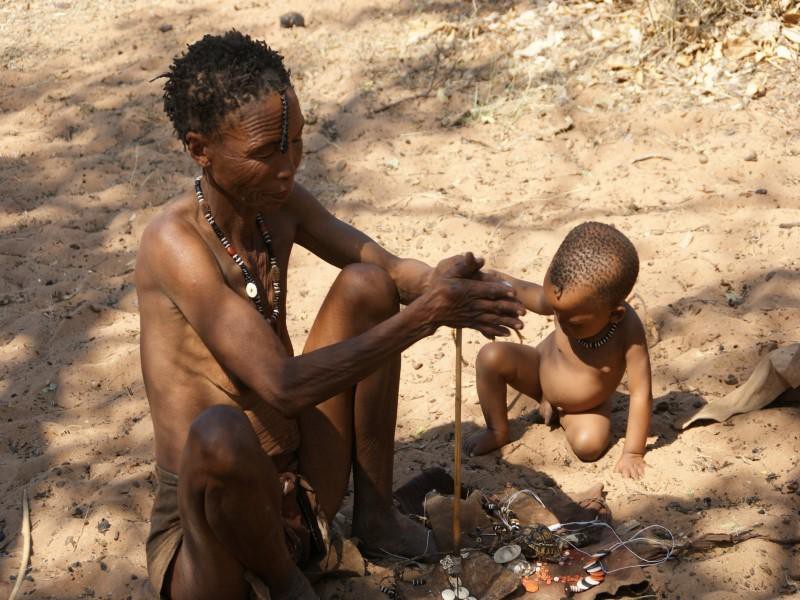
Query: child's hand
x=631, y=465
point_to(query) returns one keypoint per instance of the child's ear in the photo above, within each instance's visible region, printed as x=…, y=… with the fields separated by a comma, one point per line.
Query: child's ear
x=617, y=313
x=197, y=145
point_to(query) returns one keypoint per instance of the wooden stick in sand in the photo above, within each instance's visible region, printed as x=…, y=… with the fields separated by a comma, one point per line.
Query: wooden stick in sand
x=457, y=462
x=26, y=544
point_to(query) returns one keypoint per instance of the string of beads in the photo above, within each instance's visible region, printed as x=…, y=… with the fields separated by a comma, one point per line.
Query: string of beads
x=250, y=286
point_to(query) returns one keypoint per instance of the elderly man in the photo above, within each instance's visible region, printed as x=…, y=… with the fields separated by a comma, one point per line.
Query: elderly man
x=254, y=445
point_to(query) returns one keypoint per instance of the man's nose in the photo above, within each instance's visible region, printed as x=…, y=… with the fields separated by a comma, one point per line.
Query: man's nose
x=286, y=168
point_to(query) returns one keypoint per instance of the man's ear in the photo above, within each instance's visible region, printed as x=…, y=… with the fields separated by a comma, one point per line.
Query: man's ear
x=197, y=145
x=618, y=313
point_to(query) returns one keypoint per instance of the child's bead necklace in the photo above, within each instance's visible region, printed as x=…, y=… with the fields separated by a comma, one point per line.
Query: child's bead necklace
x=600, y=342
x=250, y=287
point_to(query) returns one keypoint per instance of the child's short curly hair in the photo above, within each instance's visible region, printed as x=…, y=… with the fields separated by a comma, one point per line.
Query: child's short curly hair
x=218, y=75
x=599, y=257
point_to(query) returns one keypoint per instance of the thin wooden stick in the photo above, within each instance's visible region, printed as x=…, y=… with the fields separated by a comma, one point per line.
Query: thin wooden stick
x=26, y=544
x=457, y=465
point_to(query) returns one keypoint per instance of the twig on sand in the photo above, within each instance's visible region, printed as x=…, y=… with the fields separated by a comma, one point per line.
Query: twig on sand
x=424, y=94
x=26, y=544
x=135, y=165
x=789, y=225
x=649, y=157
x=85, y=522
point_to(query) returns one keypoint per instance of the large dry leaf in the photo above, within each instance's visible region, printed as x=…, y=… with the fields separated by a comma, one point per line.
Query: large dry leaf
x=777, y=372
x=792, y=34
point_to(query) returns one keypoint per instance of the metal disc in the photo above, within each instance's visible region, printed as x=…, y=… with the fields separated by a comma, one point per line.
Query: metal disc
x=507, y=553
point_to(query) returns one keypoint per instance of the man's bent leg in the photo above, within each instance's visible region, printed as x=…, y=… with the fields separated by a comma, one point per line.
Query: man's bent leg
x=229, y=499
x=357, y=427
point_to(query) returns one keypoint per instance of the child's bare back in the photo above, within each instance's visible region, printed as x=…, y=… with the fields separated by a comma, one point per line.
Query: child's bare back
x=577, y=368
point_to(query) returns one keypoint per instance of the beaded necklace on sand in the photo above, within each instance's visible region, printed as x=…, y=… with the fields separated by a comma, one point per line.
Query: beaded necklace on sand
x=250, y=287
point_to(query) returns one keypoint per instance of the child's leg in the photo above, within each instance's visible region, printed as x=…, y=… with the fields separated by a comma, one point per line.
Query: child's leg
x=588, y=433
x=500, y=364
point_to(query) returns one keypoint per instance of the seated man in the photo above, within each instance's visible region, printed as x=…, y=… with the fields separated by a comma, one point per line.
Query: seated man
x=254, y=445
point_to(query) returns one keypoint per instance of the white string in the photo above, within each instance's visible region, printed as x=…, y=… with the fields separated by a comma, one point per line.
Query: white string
x=514, y=496
x=621, y=543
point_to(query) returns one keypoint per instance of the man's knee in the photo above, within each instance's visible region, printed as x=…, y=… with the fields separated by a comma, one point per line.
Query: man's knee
x=221, y=440
x=589, y=445
x=369, y=290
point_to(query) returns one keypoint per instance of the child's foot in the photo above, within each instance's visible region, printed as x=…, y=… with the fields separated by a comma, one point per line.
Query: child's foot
x=484, y=441
x=546, y=412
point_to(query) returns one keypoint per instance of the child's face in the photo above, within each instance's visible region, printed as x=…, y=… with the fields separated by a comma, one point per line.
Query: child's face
x=579, y=312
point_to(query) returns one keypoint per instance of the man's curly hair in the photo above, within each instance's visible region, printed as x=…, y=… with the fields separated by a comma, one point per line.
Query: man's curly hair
x=218, y=75
x=599, y=257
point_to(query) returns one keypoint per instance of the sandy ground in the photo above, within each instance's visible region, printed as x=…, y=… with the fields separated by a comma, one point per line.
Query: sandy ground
x=706, y=186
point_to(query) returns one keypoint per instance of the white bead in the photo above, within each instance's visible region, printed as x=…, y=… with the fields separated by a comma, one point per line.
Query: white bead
x=251, y=290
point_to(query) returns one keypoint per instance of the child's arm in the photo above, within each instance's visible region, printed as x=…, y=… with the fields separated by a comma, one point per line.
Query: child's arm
x=631, y=463
x=530, y=294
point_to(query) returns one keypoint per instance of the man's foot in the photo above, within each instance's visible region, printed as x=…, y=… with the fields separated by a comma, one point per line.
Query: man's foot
x=546, y=412
x=298, y=587
x=393, y=534
x=484, y=441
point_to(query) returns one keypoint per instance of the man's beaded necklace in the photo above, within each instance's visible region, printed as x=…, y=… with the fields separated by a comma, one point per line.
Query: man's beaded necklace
x=593, y=345
x=250, y=287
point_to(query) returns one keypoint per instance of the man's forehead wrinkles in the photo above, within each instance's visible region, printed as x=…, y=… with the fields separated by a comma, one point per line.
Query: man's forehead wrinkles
x=259, y=131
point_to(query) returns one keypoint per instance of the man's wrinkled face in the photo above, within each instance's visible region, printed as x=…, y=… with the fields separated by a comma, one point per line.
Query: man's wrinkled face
x=257, y=149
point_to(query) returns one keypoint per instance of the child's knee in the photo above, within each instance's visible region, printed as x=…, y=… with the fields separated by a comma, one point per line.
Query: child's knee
x=490, y=357
x=495, y=357
x=589, y=445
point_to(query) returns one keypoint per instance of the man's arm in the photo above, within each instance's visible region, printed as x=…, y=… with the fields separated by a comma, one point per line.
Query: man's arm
x=242, y=341
x=631, y=463
x=341, y=244
x=530, y=294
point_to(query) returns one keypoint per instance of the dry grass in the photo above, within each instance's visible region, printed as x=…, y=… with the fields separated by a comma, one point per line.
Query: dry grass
x=674, y=24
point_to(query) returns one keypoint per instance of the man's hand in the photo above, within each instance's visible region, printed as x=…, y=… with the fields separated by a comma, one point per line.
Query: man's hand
x=464, y=266
x=631, y=465
x=458, y=298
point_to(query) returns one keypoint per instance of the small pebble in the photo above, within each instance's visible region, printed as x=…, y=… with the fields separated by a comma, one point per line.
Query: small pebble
x=751, y=156
x=702, y=158
x=761, y=191
x=165, y=28
x=292, y=19
x=731, y=380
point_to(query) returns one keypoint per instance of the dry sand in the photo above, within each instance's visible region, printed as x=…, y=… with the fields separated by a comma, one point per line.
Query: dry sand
x=87, y=157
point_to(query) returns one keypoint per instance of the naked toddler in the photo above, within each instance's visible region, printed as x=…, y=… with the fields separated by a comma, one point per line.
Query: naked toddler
x=577, y=368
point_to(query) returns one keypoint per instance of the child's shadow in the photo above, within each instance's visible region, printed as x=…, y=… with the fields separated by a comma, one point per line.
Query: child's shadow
x=669, y=411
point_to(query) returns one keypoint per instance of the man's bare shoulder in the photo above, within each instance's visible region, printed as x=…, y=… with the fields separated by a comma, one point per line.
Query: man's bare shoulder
x=171, y=237
x=300, y=202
